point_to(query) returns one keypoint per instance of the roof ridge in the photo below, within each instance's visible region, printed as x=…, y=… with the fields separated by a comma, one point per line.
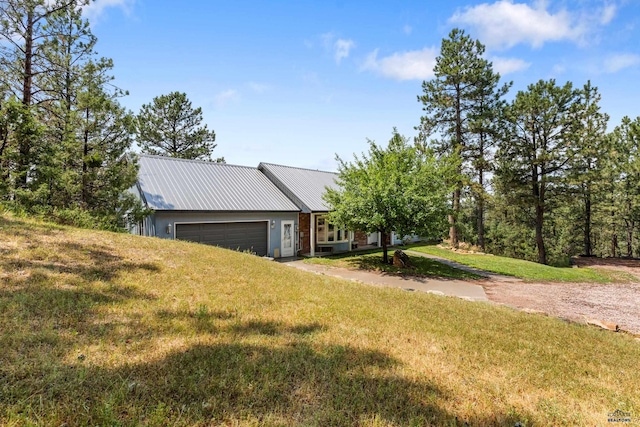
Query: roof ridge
x=297, y=167
x=158, y=157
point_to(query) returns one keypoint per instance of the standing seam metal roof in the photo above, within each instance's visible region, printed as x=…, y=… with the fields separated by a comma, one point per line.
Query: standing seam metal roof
x=189, y=185
x=308, y=185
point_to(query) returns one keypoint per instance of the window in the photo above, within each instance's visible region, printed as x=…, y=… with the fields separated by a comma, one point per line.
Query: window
x=329, y=233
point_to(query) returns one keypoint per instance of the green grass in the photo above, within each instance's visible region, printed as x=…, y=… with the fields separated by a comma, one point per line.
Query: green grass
x=526, y=270
x=372, y=261
x=107, y=329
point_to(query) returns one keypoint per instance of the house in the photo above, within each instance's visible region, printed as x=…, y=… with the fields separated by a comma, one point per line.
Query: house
x=305, y=187
x=271, y=210
x=234, y=207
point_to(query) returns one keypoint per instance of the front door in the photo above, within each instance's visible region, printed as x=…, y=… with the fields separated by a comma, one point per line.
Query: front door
x=286, y=241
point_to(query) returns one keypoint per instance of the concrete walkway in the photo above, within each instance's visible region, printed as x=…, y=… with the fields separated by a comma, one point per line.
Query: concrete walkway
x=441, y=286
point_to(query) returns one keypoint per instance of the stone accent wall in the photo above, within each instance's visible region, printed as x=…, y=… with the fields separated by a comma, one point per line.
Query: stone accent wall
x=304, y=236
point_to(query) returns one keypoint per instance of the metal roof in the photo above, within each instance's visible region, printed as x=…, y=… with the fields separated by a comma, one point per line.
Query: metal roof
x=306, y=185
x=189, y=185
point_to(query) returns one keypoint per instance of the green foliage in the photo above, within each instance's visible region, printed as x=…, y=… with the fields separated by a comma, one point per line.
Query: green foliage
x=17, y=125
x=533, y=157
x=590, y=153
x=170, y=126
x=463, y=105
x=619, y=210
x=63, y=136
x=393, y=188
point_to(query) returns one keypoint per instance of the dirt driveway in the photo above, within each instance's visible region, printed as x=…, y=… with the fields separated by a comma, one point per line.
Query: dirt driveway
x=615, y=302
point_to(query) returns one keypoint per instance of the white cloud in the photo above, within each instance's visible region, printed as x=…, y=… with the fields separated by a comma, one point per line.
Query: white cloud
x=339, y=48
x=617, y=62
x=342, y=49
x=506, y=24
x=224, y=98
x=95, y=9
x=608, y=13
x=410, y=65
x=509, y=65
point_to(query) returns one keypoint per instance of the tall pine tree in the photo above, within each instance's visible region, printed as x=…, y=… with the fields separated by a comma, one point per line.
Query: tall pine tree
x=533, y=158
x=460, y=105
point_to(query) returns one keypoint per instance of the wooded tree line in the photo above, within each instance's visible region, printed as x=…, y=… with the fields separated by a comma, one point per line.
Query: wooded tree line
x=64, y=136
x=539, y=177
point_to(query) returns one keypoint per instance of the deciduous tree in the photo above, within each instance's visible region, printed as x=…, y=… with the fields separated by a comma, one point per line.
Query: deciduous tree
x=393, y=188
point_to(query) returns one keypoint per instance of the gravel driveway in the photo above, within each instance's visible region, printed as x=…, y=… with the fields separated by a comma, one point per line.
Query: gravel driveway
x=614, y=302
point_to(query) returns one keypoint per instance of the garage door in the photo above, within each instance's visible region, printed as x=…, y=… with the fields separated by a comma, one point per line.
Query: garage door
x=242, y=236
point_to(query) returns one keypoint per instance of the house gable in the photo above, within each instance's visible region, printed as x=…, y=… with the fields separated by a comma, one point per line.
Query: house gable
x=304, y=186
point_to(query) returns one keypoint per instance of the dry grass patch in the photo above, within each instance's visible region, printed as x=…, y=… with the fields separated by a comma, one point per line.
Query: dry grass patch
x=107, y=329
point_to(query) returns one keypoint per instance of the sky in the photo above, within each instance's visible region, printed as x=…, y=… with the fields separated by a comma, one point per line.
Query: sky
x=299, y=82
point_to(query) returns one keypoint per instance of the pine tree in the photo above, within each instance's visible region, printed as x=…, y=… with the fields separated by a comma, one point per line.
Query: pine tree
x=24, y=35
x=532, y=159
x=170, y=126
x=459, y=104
x=588, y=155
x=623, y=172
x=486, y=129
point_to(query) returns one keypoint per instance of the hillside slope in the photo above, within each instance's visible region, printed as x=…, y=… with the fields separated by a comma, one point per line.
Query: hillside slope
x=100, y=328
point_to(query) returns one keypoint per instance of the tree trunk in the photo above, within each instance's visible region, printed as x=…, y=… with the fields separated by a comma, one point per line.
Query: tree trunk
x=24, y=145
x=542, y=253
x=538, y=191
x=457, y=148
x=385, y=256
x=614, y=236
x=587, y=225
x=453, y=220
x=481, y=223
x=630, y=227
x=85, y=153
x=481, y=203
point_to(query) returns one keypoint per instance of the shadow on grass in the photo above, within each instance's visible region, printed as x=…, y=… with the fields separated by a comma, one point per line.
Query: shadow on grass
x=47, y=314
x=86, y=262
x=371, y=260
x=257, y=327
x=294, y=384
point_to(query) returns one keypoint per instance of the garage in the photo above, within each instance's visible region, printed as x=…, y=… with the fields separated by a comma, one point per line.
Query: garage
x=241, y=236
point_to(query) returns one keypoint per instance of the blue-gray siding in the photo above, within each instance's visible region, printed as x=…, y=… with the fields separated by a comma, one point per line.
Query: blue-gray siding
x=157, y=224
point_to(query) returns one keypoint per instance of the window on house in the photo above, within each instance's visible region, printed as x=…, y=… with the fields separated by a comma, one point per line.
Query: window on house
x=329, y=233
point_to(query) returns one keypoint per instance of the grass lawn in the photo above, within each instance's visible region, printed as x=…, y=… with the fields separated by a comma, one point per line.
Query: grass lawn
x=372, y=260
x=526, y=270
x=99, y=328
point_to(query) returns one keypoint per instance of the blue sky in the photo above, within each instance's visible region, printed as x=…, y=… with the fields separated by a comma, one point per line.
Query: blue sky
x=297, y=82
